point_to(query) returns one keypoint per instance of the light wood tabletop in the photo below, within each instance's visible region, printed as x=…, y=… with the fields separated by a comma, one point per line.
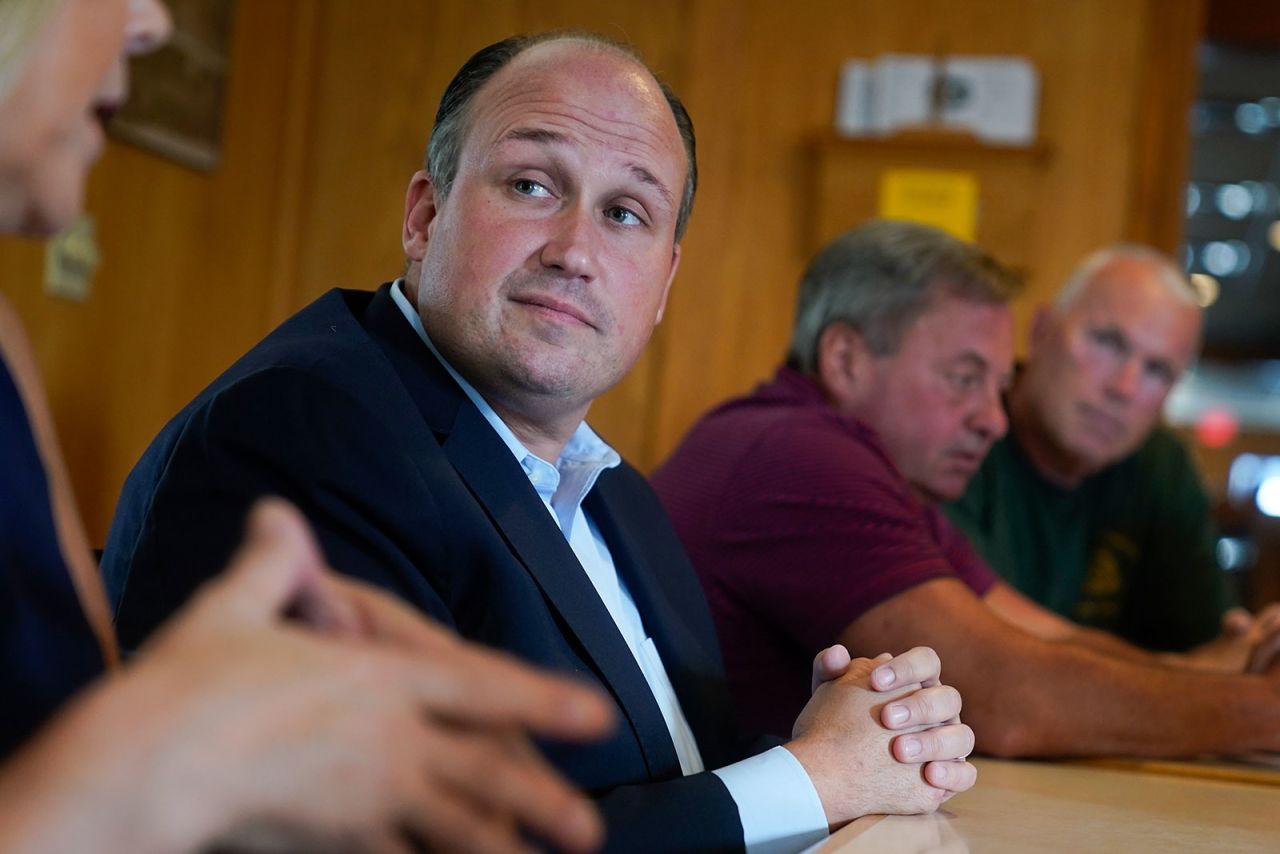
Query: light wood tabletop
x=1045, y=807
x=1260, y=768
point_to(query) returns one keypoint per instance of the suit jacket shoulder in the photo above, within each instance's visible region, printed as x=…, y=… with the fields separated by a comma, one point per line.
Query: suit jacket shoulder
x=344, y=412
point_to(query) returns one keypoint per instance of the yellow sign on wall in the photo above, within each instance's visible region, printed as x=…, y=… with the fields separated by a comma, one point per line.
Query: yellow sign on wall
x=942, y=198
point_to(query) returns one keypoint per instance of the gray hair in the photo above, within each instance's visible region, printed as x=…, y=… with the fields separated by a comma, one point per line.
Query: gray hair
x=1166, y=271
x=20, y=23
x=880, y=277
x=445, y=146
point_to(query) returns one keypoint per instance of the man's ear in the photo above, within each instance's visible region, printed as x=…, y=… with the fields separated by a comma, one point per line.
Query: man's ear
x=844, y=365
x=666, y=290
x=420, y=211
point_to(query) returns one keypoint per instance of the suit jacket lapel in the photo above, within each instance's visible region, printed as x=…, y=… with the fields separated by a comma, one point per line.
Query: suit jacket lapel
x=691, y=663
x=497, y=481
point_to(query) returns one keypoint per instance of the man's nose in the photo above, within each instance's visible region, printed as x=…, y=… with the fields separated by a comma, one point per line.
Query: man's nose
x=989, y=418
x=570, y=245
x=1123, y=382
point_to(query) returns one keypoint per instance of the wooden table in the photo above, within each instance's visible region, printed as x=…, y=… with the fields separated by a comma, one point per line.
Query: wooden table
x=1043, y=807
x=1262, y=768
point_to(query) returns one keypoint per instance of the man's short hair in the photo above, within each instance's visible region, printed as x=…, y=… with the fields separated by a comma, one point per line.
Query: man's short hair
x=1166, y=271
x=445, y=146
x=880, y=277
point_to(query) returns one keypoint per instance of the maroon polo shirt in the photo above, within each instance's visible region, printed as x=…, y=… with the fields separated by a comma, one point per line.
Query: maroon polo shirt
x=798, y=523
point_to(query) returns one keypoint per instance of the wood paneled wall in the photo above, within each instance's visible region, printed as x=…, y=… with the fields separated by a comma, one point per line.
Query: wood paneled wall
x=327, y=115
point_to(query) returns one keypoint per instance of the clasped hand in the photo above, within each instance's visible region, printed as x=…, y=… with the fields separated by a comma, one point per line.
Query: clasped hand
x=882, y=735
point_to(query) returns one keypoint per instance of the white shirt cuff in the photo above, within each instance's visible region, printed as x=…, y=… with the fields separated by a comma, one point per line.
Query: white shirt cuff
x=779, y=808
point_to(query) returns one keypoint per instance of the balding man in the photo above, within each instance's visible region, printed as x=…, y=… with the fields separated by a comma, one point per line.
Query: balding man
x=1088, y=506
x=433, y=433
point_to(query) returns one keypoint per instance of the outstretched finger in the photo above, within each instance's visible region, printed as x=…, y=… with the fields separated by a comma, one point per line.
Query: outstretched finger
x=517, y=788
x=441, y=819
x=488, y=688
x=465, y=682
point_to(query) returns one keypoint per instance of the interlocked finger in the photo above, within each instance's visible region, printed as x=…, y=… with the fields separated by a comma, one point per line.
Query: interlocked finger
x=954, y=741
x=926, y=707
x=920, y=664
x=1265, y=657
x=954, y=775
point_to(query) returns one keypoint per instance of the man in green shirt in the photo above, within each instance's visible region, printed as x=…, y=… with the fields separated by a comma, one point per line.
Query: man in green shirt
x=1087, y=505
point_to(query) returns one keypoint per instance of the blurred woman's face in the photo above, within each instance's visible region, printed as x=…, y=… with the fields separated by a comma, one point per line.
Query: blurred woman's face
x=51, y=121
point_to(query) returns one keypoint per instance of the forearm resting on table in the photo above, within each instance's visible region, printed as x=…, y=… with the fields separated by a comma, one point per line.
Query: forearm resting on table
x=1025, y=696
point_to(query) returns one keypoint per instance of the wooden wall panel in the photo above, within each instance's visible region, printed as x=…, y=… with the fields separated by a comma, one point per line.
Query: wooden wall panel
x=328, y=112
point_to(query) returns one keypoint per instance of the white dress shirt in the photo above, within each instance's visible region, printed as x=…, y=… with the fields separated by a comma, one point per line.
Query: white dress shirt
x=778, y=806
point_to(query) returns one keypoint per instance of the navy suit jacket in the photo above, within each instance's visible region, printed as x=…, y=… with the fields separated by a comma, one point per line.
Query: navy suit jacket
x=345, y=412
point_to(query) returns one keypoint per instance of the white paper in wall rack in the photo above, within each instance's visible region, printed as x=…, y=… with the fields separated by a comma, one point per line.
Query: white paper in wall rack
x=996, y=98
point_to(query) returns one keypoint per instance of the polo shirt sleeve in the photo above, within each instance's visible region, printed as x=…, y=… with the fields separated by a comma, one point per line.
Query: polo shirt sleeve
x=960, y=553
x=819, y=527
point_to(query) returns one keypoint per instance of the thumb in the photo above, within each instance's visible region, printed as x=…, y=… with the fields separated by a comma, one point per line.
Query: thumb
x=831, y=663
x=277, y=565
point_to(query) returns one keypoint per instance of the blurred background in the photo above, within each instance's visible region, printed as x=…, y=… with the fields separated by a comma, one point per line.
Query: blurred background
x=266, y=156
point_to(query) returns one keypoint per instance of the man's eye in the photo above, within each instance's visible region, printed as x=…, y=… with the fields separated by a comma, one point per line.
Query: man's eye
x=623, y=216
x=964, y=382
x=1161, y=373
x=1108, y=340
x=529, y=187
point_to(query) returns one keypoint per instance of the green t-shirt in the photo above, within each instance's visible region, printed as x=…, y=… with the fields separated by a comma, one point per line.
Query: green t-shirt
x=1131, y=550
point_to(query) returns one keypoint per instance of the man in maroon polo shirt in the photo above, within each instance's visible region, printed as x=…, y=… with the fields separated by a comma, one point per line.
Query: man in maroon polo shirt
x=808, y=508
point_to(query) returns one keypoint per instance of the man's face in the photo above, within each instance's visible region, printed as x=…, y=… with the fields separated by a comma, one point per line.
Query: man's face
x=1099, y=369
x=935, y=403
x=546, y=268
x=50, y=123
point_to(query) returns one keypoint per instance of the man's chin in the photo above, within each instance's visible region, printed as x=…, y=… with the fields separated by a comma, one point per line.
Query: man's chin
x=1093, y=454
x=941, y=491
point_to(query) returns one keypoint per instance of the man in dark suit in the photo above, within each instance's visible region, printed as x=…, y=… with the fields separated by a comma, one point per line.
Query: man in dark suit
x=415, y=426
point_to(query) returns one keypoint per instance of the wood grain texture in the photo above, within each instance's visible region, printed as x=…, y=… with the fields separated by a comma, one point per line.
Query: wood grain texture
x=1036, y=806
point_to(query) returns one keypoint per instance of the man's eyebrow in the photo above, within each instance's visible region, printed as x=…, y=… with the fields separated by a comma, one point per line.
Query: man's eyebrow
x=976, y=360
x=646, y=177
x=972, y=358
x=542, y=136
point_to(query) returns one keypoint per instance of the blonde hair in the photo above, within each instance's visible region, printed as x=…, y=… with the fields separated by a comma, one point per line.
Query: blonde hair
x=20, y=23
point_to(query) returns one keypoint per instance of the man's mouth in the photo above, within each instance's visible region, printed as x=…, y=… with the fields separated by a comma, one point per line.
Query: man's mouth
x=551, y=306
x=968, y=459
x=1100, y=422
